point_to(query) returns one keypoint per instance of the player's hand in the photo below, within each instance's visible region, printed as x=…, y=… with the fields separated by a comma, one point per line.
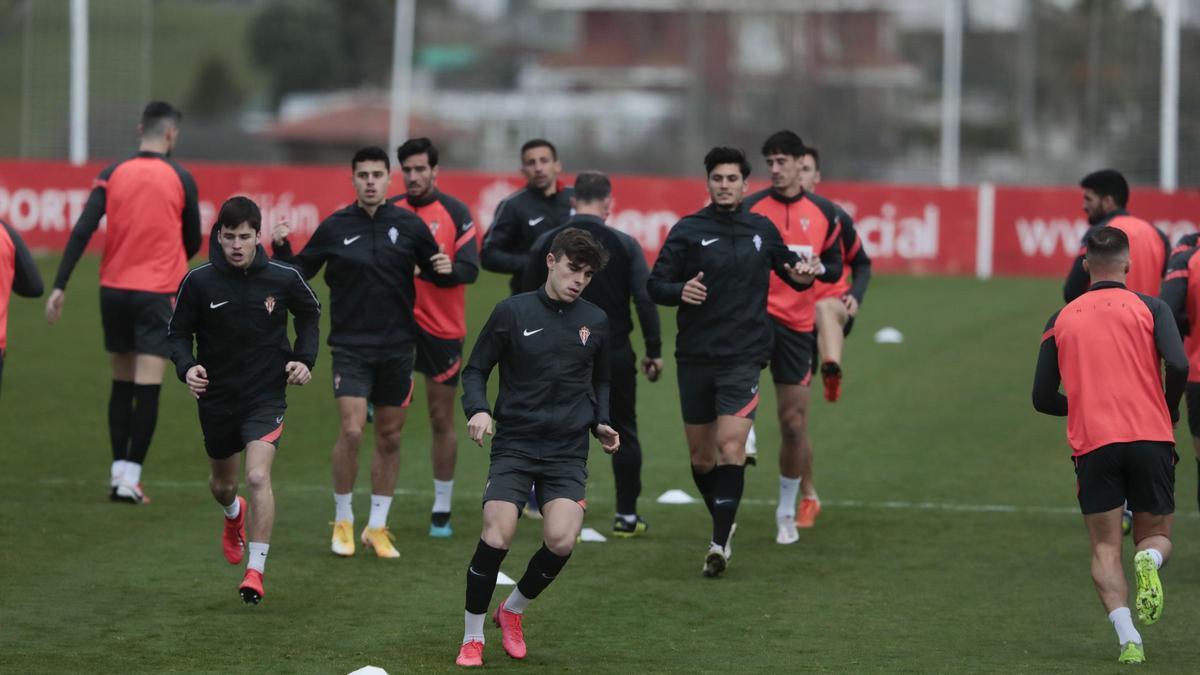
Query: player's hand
x=280, y=232
x=801, y=272
x=197, y=380
x=480, y=425
x=441, y=262
x=1175, y=416
x=694, y=291
x=652, y=368
x=851, y=304
x=610, y=440
x=54, y=305
x=298, y=373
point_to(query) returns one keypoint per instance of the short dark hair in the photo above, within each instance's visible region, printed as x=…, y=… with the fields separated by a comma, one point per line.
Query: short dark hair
x=785, y=142
x=722, y=155
x=157, y=116
x=1107, y=183
x=811, y=151
x=580, y=247
x=592, y=186
x=238, y=210
x=538, y=143
x=417, y=146
x=371, y=153
x=1106, y=244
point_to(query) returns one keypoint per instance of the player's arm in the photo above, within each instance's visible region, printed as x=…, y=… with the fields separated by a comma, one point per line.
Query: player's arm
x=1170, y=348
x=1166, y=247
x=27, y=280
x=647, y=312
x=856, y=257
x=466, y=245
x=306, y=313
x=1175, y=288
x=85, y=227
x=433, y=264
x=668, y=276
x=490, y=344
x=1046, y=378
x=190, y=215
x=311, y=258
x=501, y=245
x=535, y=269
x=784, y=261
x=1077, y=279
x=601, y=377
x=831, y=253
x=182, y=328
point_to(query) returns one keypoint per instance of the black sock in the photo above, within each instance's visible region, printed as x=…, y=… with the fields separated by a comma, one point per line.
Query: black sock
x=706, y=483
x=543, y=567
x=731, y=480
x=439, y=518
x=481, y=576
x=120, y=416
x=627, y=474
x=145, y=418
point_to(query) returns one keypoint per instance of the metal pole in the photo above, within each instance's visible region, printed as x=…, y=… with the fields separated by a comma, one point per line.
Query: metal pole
x=27, y=83
x=951, y=90
x=1168, y=137
x=402, y=49
x=79, y=81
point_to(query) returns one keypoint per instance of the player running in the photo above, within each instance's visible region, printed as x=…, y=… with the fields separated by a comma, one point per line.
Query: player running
x=18, y=274
x=552, y=348
x=440, y=311
x=153, y=229
x=1181, y=292
x=716, y=266
x=369, y=251
x=1107, y=348
x=808, y=225
x=236, y=307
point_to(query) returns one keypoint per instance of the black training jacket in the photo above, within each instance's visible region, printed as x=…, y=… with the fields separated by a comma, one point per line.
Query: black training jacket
x=624, y=278
x=520, y=219
x=239, y=321
x=737, y=251
x=554, y=375
x=369, y=264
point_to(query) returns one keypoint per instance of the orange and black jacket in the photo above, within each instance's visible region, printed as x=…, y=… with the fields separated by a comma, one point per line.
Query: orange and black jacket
x=1149, y=250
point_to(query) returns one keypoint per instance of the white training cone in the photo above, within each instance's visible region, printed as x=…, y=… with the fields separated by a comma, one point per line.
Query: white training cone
x=503, y=579
x=889, y=336
x=369, y=670
x=589, y=534
x=676, y=496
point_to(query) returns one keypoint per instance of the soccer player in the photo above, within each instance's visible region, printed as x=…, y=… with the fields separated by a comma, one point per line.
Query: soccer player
x=837, y=302
x=369, y=250
x=440, y=311
x=808, y=225
x=715, y=266
x=543, y=204
x=1105, y=195
x=18, y=274
x=1107, y=348
x=153, y=229
x=1181, y=292
x=236, y=307
x=552, y=348
x=611, y=289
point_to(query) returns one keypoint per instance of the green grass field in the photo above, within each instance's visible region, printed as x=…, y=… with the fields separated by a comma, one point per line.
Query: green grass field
x=949, y=540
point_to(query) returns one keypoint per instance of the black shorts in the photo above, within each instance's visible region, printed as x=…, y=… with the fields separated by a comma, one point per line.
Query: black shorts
x=848, y=327
x=1141, y=473
x=707, y=391
x=439, y=358
x=383, y=378
x=1193, y=411
x=136, y=321
x=793, y=356
x=226, y=434
x=511, y=475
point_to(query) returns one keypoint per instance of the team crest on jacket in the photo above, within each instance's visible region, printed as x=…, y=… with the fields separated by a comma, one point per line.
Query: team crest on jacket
x=757, y=242
x=270, y=303
x=433, y=227
x=393, y=234
x=804, y=223
x=584, y=334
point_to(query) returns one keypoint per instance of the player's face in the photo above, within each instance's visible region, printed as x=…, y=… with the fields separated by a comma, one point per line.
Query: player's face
x=566, y=278
x=239, y=244
x=540, y=168
x=810, y=175
x=419, y=176
x=1094, y=206
x=785, y=172
x=371, y=180
x=726, y=186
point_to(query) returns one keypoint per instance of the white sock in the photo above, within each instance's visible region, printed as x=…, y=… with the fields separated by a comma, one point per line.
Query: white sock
x=118, y=471
x=516, y=602
x=442, y=490
x=1123, y=622
x=788, y=489
x=133, y=473
x=344, y=510
x=752, y=442
x=232, y=511
x=630, y=518
x=379, y=511
x=474, y=627
x=1157, y=556
x=258, y=556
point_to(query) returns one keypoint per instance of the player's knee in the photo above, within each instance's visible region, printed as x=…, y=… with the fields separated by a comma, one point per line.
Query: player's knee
x=351, y=436
x=561, y=543
x=221, y=486
x=441, y=421
x=258, y=479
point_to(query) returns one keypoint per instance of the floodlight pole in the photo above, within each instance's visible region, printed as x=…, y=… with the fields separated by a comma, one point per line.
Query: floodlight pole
x=1168, y=135
x=401, y=94
x=79, y=82
x=952, y=37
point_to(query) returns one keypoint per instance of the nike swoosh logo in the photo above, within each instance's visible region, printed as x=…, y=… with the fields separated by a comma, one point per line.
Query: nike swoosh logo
x=472, y=571
x=535, y=221
x=718, y=502
x=278, y=420
x=214, y=305
x=350, y=240
x=706, y=242
x=531, y=332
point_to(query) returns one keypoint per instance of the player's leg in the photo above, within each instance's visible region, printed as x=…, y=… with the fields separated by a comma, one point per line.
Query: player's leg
x=832, y=317
x=385, y=469
x=795, y=455
x=626, y=464
x=222, y=444
x=353, y=377
x=1151, y=480
x=117, y=321
x=151, y=314
x=1193, y=411
x=444, y=452
x=260, y=454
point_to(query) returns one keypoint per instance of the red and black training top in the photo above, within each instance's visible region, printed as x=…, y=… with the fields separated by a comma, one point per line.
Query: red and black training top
x=153, y=225
x=1149, y=249
x=18, y=274
x=1105, y=347
x=1181, y=292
